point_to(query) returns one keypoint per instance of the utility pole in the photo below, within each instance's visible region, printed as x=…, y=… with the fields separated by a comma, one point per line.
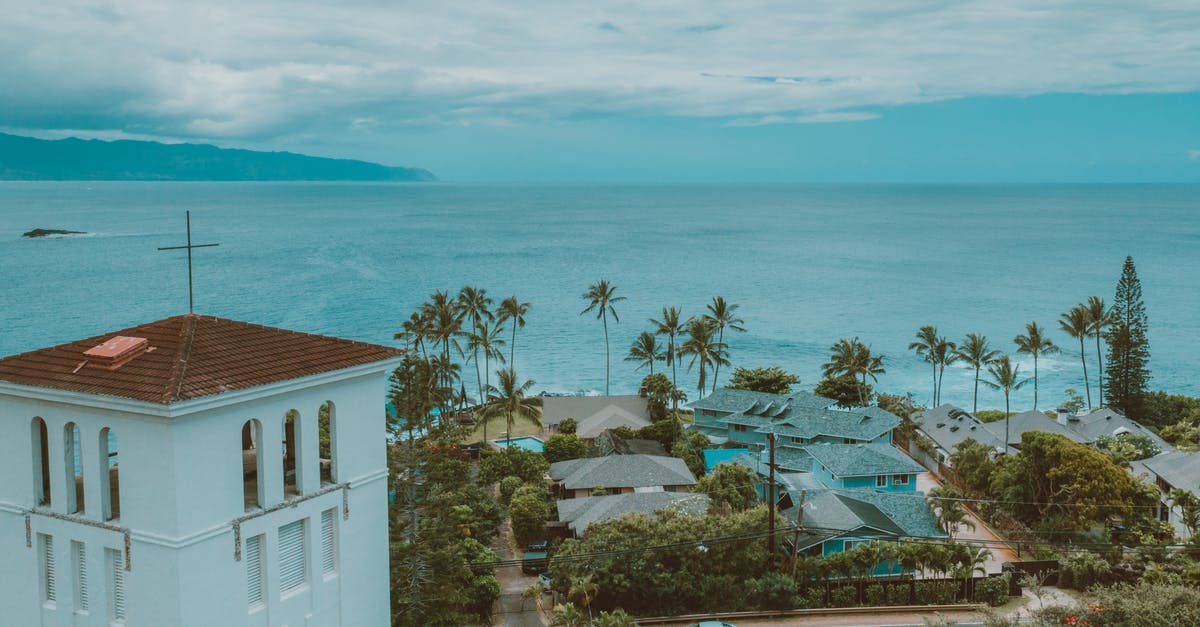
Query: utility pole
x=771, y=505
x=796, y=539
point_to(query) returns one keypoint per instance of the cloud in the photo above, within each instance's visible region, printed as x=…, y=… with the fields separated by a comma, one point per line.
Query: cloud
x=253, y=70
x=809, y=118
x=1194, y=155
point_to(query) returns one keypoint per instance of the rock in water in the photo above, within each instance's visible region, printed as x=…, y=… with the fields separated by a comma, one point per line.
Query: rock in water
x=45, y=232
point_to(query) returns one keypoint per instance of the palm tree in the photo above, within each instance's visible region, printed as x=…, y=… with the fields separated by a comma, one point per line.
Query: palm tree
x=1189, y=508
x=1034, y=342
x=925, y=346
x=600, y=297
x=943, y=355
x=567, y=615
x=508, y=399
x=672, y=327
x=447, y=372
x=1005, y=376
x=513, y=310
x=703, y=349
x=1099, y=318
x=488, y=339
x=645, y=350
x=414, y=330
x=948, y=510
x=723, y=314
x=474, y=304
x=1076, y=323
x=445, y=320
x=976, y=352
x=852, y=357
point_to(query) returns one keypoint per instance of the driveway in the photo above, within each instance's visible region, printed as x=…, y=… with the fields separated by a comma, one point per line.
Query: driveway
x=511, y=611
x=1000, y=552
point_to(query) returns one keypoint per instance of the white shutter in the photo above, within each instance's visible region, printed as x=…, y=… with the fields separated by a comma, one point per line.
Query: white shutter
x=328, y=548
x=254, y=580
x=116, y=561
x=47, y=543
x=293, y=569
x=81, y=580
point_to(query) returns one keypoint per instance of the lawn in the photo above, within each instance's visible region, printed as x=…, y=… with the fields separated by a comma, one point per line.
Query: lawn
x=498, y=425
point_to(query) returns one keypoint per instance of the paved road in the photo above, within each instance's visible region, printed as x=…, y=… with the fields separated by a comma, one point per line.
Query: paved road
x=510, y=610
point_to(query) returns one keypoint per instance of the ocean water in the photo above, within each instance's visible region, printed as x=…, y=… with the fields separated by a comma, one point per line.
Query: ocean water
x=807, y=265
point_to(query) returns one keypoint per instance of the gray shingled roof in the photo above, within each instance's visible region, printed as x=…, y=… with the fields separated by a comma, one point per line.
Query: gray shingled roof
x=730, y=400
x=948, y=426
x=581, y=512
x=1180, y=469
x=857, y=460
x=1108, y=421
x=893, y=513
x=555, y=408
x=622, y=471
x=1031, y=420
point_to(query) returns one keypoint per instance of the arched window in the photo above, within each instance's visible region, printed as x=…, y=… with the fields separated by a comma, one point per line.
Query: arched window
x=41, y=462
x=291, y=454
x=252, y=489
x=110, y=479
x=327, y=427
x=74, y=468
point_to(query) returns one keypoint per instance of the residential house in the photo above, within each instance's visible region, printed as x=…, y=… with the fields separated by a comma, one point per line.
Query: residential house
x=609, y=443
x=578, y=513
x=595, y=414
x=1175, y=469
x=835, y=520
x=864, y=466
x=621, y=474
x=948, y=426
x=796, y=419
x=1108, y=421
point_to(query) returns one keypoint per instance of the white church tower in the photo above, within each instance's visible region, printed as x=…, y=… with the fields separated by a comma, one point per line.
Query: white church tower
x=179, y=473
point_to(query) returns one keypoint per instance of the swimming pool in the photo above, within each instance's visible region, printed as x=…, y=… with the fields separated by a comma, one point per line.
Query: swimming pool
x=528, y=443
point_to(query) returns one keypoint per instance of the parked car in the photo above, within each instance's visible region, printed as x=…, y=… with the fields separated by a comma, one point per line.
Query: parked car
x=534, y=562
x=544, y=581
x=540, y=545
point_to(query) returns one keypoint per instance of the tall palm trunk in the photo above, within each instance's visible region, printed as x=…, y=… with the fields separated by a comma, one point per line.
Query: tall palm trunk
x=604, y=320
x=975, y=409
x=674, y=363
x=1087, y=385
x=512, y=348
x=487, y=381
x=717, y=367
x=1006, y=422
x=1100, y=373
x=935, y=383
x=1035, y=378
x=938, y=395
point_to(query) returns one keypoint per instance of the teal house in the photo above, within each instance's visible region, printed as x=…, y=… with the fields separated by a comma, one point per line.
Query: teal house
x=836, y=520
x=864, y=466
x=797, y=419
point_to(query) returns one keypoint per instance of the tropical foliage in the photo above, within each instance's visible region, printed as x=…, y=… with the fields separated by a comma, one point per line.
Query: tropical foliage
x=1035, y=344
x=601, y=297
x=772, y=380
x=1128, y=347
x=729, y=486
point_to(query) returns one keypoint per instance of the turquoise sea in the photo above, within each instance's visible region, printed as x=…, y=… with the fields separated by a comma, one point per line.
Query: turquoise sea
x=807, y=265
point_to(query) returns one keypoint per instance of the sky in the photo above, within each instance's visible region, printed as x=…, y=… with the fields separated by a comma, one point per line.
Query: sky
x=631, y=91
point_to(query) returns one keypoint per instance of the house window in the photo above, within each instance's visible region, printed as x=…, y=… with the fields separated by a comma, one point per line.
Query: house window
x=110, y=480
x=292, y=464
x=327, y=437
x=115, y=565
x=74, y=468
x=849, y=441
x=328, y=542
x=881, y=481
x=740, y=428
x=79, y=561
x=293, y=567
x=847, y=545
x=41, y=463
x=254, y=571
x=796, y=440
x=46, y=553
x=252, y=464
x=899, y=479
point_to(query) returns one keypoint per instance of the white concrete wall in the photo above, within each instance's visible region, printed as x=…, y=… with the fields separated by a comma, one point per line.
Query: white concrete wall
x=181, y=490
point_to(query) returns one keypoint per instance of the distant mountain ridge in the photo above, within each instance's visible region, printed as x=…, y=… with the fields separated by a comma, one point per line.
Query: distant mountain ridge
x=32, y=159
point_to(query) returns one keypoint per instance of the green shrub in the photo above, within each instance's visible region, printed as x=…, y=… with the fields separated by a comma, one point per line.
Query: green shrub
x=567, y=425
x=508, y=485
x=772, y=591
x=844, y=596
x=993, y=590
x=877, y=594
x=935, y=593
x=814, y=596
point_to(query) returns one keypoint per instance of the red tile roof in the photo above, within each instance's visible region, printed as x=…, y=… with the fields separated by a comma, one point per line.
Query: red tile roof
x=192, y=356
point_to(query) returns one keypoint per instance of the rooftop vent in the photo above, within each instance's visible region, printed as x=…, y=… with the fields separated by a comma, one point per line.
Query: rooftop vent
x=116, y=352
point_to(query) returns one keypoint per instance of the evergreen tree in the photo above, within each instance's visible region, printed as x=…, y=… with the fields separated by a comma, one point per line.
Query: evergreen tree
x=1128, y=349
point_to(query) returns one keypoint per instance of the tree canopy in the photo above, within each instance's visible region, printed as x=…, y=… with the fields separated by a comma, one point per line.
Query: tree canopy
x=771, y=379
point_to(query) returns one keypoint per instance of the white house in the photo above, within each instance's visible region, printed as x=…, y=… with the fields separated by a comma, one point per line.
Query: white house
x=172, y=474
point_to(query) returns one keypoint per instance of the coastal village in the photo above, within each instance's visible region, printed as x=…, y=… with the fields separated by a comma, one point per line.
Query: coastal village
x=305, y=479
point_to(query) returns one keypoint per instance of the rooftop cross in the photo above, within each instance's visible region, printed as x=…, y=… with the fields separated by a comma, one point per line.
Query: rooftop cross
x=189, y=248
